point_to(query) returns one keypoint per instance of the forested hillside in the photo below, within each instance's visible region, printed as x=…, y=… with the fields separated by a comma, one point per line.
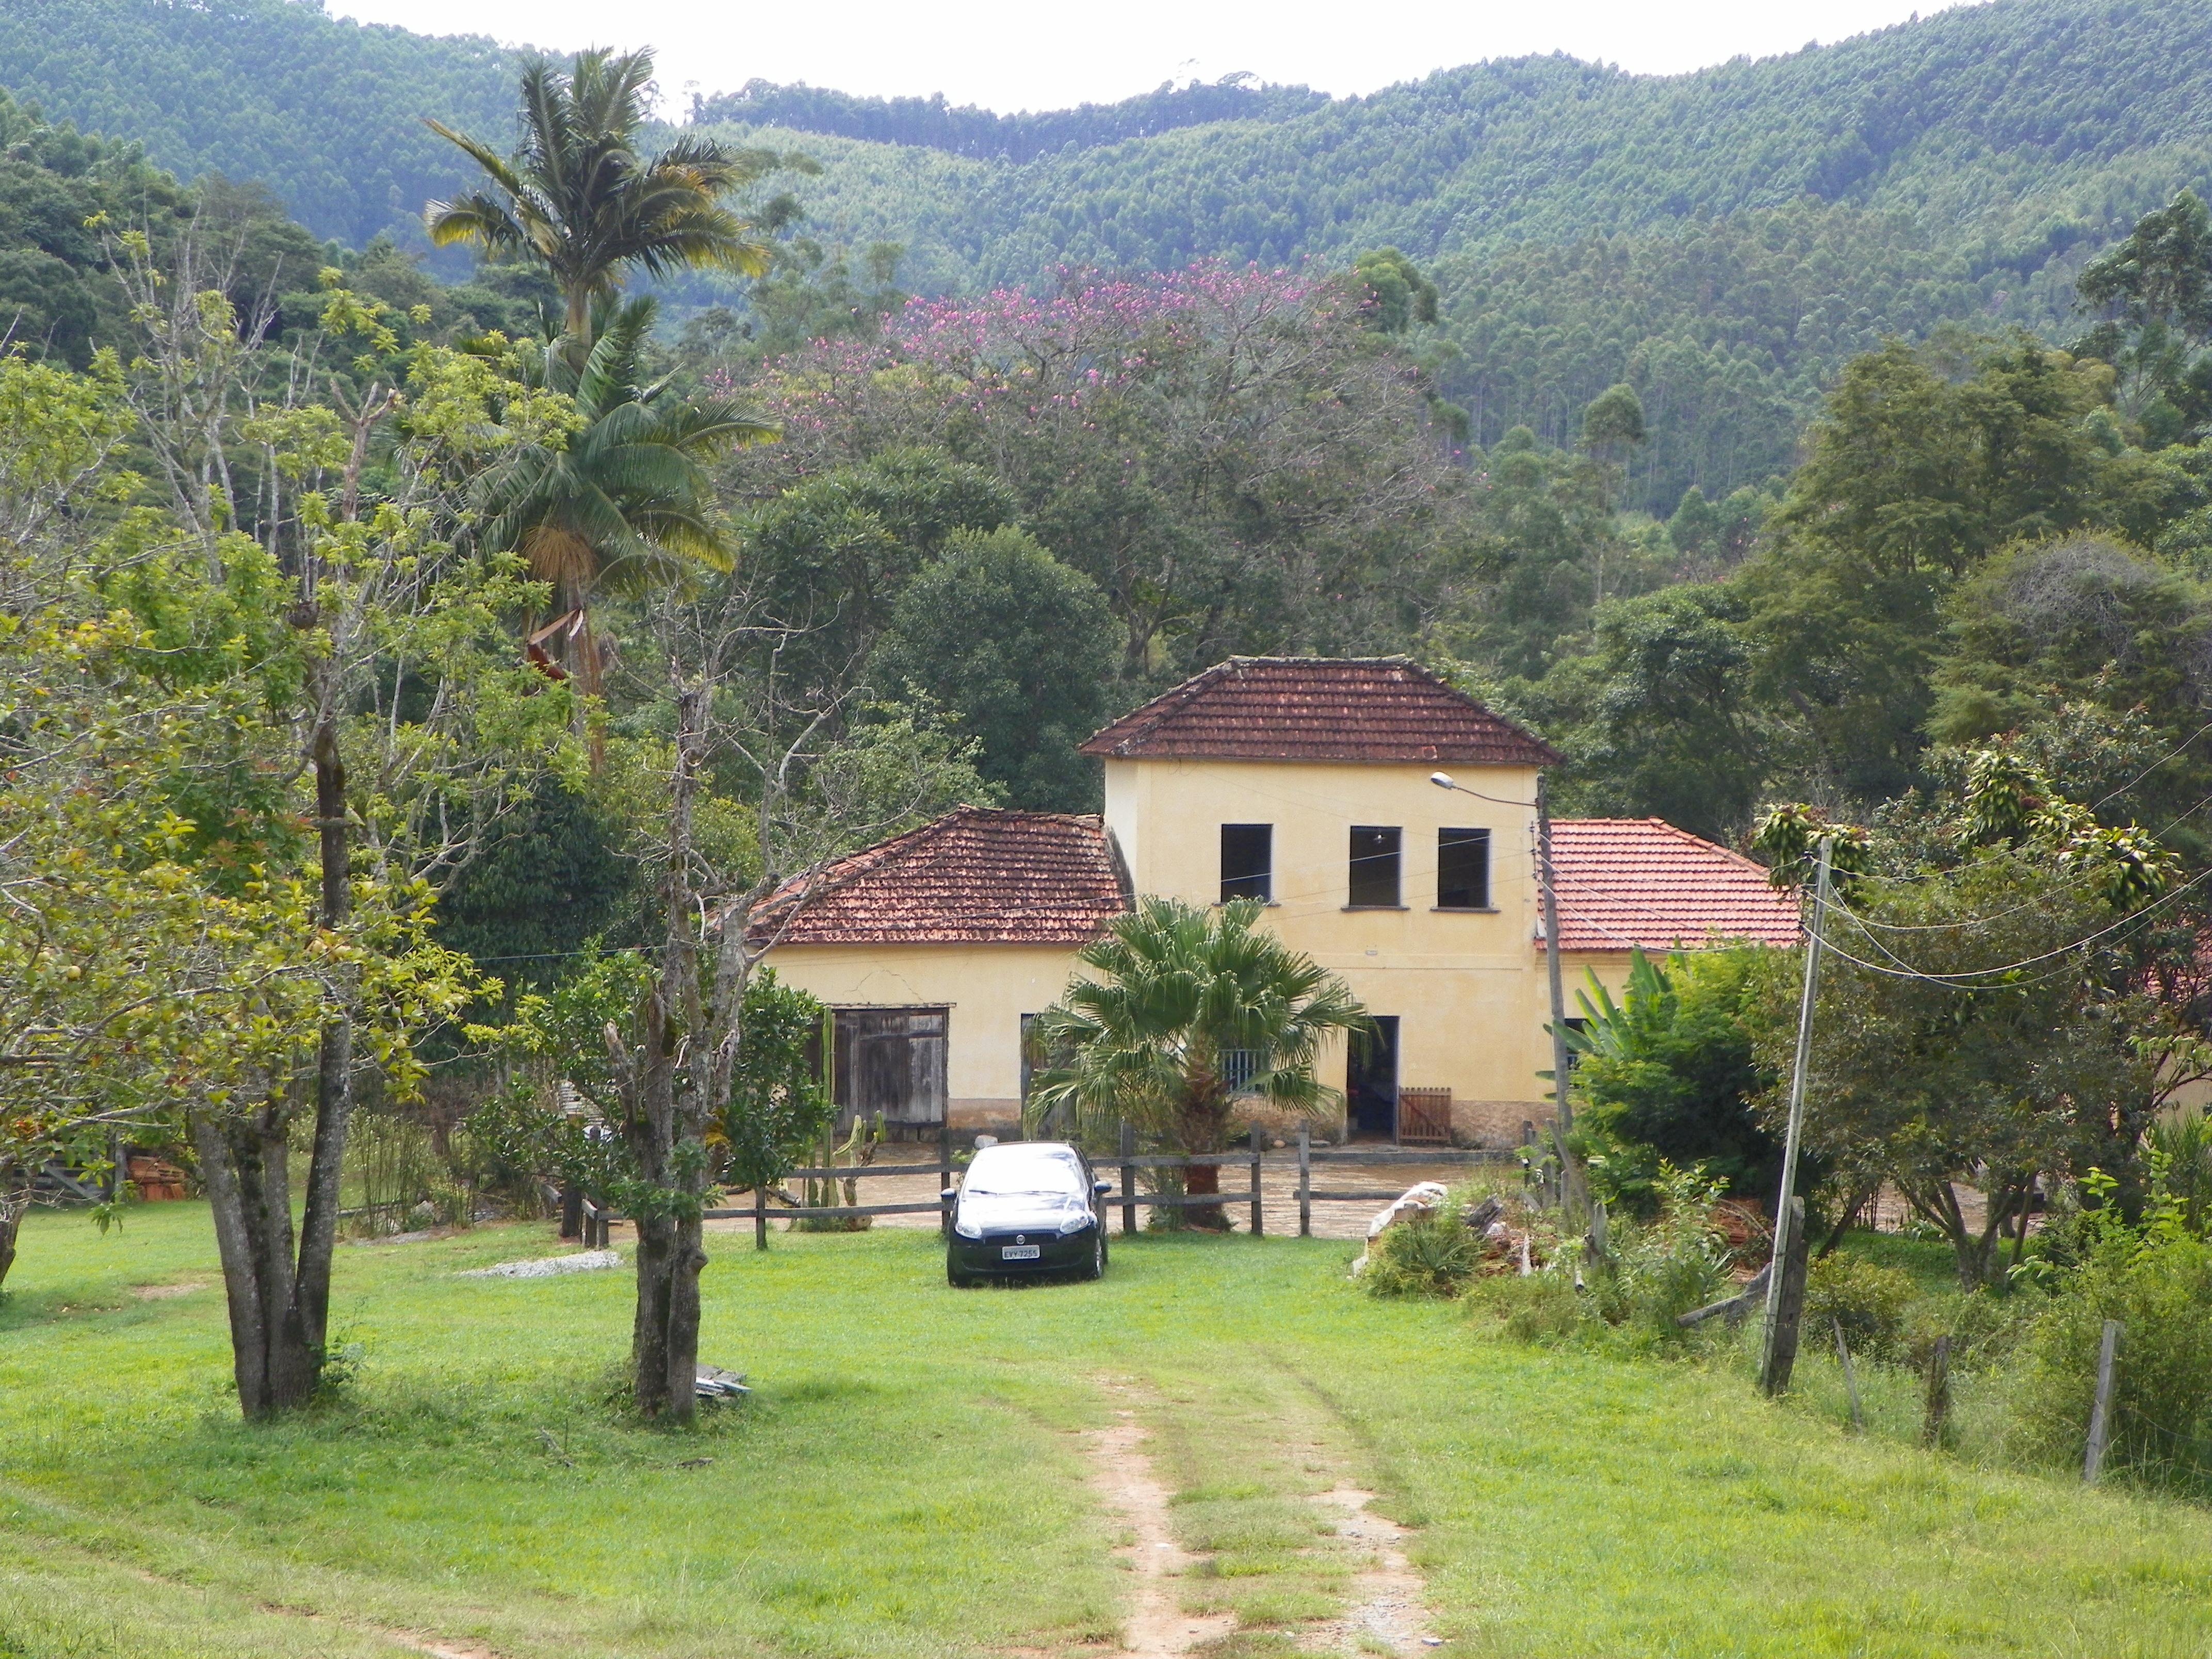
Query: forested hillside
x=1722, y=241
x=327, y=113
x=965, y=129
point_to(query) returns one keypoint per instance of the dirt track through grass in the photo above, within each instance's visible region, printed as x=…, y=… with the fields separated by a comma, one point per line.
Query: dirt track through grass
x=1155, y=1626
x=912, y=1479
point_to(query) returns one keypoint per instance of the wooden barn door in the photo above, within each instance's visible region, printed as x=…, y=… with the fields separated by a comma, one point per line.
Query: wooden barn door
x=890, y=1061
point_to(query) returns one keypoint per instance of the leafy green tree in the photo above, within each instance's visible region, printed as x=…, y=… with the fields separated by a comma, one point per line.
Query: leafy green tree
x=1658, y=718
x=1019, y=647
x=1696, y=525
x=551, y=877
x=1670, y=1076
x=1614, y=422
x=579, y=198
x=2155, y=290
x=1398, y=295
x=1922, y=464
x=778, y=1106
x=2083, y=618
x=1168, y=995
x=623, y=497
x=1987, y=1018
x=835, y=550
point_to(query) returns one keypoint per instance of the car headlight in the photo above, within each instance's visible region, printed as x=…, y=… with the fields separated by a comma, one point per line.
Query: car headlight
x=966, y=1228
x=1075, y=1222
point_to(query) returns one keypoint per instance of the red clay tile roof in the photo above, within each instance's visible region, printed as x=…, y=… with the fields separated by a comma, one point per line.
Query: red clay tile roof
x=976, y=876
x=1626, y=882
x=1318, y=708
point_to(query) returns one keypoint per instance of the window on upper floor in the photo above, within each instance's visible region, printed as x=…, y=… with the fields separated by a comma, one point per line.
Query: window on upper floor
x=1463, y=869
x=1247, y=861
x=1375, y=867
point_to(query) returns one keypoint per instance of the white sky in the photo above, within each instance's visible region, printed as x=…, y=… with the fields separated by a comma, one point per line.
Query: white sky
x=1009, y=56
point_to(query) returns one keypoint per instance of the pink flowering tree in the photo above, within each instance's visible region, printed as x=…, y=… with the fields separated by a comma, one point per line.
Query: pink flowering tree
x=1228, y=454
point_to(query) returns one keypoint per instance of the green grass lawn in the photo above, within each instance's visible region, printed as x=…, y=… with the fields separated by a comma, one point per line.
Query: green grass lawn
x=910, y=1479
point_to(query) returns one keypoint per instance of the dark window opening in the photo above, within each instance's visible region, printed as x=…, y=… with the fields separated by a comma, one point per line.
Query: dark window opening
x=1574, y=1054
x=1373, y=867
x=1370, y=1081
x=1463, y=869
x=1247, y=861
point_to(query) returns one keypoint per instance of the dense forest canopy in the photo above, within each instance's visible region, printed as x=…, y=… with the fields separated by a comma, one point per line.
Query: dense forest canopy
x=1722, y=241
x=327, y=113
x=965, y=129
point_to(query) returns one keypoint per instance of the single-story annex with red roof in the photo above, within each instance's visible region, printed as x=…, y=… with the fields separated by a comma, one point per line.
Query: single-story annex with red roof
x=1305, y=782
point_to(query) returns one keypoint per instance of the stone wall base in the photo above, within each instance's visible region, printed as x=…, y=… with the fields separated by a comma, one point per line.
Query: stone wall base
x=1497, y=1123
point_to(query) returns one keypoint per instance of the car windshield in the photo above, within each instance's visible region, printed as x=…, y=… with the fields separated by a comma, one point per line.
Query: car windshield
x=1017, y=1172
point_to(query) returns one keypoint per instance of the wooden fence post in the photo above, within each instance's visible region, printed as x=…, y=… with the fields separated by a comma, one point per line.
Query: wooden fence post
x=759, y=1218
x=1939, y=1392
x=2100, y=1414
x=1786, y=1303
x=1258, y=1141
x=1851, y=1377
x=1129, y=1179
x=1305, y=1182
x=943, y=1171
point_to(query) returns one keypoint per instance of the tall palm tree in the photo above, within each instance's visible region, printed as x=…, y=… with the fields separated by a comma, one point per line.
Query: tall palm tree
x=626, y=500
x=579, y=198
x=1179, y=1001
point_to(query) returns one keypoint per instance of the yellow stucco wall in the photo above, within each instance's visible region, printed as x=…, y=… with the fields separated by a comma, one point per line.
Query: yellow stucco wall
x=1468, y=988
x=987, y=988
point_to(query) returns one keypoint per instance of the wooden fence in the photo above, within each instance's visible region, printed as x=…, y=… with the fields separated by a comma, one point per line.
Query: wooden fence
x=1253, y=1160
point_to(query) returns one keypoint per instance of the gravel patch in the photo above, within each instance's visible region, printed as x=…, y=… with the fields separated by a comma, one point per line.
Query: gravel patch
x=544, y=1266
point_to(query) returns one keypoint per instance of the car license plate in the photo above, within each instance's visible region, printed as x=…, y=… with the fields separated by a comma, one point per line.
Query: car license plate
x=1020, y=1252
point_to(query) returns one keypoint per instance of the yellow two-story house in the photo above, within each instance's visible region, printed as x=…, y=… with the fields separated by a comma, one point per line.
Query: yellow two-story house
x=1308, y=783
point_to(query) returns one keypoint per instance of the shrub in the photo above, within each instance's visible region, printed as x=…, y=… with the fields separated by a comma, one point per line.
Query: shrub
x=2160, y=1288
x=1430, y=1255
x=1674, y=1262
x=1538, y=1307
x=1870, y=1301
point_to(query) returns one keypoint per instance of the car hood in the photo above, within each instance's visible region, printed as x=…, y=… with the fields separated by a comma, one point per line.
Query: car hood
x=996, y=1212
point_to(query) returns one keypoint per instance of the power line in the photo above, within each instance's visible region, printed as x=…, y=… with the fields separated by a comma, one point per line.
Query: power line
x=1957, y=981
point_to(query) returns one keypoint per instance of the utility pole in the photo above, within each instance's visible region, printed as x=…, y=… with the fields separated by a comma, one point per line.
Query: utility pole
x=1779, y=1349
x=1574, y=1191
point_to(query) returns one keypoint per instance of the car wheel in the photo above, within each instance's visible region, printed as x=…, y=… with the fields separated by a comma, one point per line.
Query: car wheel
x=955, y=1277
x=1096, y=1268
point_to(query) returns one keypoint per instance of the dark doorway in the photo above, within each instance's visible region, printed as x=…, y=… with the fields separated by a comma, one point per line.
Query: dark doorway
x=1370, y=1081
x=890, y=1061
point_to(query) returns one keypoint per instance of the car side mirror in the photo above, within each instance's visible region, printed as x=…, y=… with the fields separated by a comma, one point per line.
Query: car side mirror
x=948, y=1194
x=1100, y=1188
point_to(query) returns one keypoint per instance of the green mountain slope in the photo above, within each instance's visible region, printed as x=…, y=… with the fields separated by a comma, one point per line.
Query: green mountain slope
x=328, y=113
x=2020, y=128
x=1721, y=240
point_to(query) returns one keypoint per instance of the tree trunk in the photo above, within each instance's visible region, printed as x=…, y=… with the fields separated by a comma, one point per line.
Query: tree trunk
x=280, y=1302
x=666, y=1120
x=242, y=1160
x=15, y=1199
x=578, y=322
x=1202, y=1180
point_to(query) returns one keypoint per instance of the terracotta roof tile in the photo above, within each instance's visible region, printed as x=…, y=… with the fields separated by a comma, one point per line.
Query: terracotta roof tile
x=1626, y=882
x=1319, y=708
x=976, y=876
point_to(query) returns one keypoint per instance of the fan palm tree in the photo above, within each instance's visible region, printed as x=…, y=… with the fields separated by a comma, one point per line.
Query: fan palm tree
x=1181, y=999
x=579, y=198
x=626, y=500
